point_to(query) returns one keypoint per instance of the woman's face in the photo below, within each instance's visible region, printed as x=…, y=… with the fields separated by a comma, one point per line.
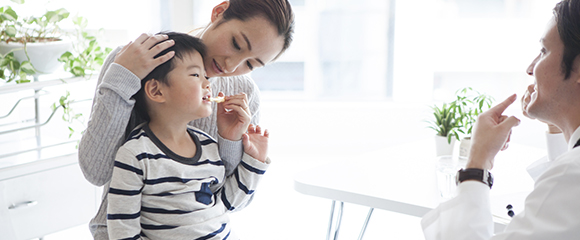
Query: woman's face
x=237, y=47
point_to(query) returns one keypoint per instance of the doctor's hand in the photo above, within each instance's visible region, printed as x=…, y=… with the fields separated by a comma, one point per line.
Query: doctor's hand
x=233, y=116
x=490, y=135
x=256, y=143
x=139, y=56
x=526, y=99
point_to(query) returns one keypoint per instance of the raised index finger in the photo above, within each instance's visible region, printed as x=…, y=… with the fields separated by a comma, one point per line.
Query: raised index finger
x=498, y=109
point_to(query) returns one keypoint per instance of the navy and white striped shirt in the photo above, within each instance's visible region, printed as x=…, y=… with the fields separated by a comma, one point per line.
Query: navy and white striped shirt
x=157, y=194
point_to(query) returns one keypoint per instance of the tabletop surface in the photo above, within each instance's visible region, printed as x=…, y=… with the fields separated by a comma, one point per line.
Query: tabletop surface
x=403, y=179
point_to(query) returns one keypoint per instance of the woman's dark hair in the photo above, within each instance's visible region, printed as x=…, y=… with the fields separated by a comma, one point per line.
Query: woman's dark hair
x=567, y=15
x=277, y=12
x=184, y=44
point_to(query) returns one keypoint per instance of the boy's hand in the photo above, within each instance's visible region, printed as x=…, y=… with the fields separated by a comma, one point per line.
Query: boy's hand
x=233, y=122
x=139, y=56
x=256, y=144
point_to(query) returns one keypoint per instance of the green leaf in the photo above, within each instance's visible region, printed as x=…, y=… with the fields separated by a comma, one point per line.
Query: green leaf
x=10, y=30
x=14, y=66
x=18, y=1
x=67, y=56
x=78, y=71
x=56, y=16
x=23, y=78
x=10, y=14
x=27, y=68
x=81, y=22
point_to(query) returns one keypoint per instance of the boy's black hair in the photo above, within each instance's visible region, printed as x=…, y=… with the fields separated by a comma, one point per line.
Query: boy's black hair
x=184, y=44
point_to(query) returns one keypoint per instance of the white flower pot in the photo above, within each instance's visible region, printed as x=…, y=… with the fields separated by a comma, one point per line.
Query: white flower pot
x=43, y=56
x=442, y=147
x=464, y=147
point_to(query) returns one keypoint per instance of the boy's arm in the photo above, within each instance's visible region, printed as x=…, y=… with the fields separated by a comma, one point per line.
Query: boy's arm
x=240, y=186
x=124, y=198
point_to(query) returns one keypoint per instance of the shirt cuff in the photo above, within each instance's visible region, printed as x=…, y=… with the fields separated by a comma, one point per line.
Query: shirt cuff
x=472, y=188
x=262, y=166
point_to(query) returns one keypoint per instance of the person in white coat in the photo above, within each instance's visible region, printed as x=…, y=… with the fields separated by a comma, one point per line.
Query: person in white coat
x=552, y=209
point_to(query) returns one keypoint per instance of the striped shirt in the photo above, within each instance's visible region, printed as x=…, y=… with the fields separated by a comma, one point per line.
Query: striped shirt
x=157, y=194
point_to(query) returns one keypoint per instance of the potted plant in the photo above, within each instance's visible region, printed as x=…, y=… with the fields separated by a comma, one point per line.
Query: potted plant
x=446, y=124
x=469, y=104
x=31, y=45
x=37, y=45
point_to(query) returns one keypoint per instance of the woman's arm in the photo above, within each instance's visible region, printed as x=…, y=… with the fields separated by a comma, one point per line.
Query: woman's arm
x=120, y=78
x=109, y=116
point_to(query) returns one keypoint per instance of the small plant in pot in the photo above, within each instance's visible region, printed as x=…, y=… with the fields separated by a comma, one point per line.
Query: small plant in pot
x=470, y=104
x=31, y=46
x=38, y=45
x=446, y=124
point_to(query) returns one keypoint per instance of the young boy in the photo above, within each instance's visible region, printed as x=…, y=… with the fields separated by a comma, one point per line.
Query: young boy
x=168, y=181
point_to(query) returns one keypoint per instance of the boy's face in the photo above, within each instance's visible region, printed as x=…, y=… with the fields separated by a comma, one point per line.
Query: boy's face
x=189, y=90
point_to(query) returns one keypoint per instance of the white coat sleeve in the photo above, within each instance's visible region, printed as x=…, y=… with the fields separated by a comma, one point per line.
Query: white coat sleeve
x=550, y=212
x=467, y=216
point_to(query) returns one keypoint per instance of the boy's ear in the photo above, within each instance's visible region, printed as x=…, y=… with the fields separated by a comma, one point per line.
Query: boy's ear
x=218, y=10
x=153, y=89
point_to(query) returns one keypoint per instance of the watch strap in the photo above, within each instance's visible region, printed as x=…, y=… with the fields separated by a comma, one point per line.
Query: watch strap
x=482, y=175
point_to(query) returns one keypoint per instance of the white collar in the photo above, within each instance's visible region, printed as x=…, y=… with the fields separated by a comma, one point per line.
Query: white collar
x=573, y=139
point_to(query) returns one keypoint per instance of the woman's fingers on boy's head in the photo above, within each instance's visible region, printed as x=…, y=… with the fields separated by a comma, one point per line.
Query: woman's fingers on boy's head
x=152, y=40
x=142, y=38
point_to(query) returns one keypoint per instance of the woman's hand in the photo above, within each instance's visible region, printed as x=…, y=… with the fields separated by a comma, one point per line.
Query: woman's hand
x=233, y=122
x=139, y=56
x=490, y=135
x=526, y=101
x=256, y=143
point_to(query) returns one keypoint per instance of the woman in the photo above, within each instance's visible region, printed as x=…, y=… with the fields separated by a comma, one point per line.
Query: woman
x=242, y=35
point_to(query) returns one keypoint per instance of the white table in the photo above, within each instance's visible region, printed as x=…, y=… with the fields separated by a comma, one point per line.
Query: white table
x=403, y=179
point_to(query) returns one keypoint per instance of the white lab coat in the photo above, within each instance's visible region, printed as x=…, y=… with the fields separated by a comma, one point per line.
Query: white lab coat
x=552, y=209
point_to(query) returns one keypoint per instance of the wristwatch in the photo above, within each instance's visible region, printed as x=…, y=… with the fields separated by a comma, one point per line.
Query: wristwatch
x=482, y=175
